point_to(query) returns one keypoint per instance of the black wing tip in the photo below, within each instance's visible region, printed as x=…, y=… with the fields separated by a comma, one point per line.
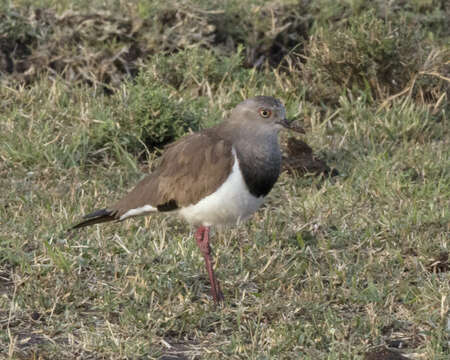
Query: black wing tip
x=96, y=217
x=98, y=213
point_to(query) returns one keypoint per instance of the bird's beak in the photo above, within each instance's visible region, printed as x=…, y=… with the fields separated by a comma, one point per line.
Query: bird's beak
x=288, y=124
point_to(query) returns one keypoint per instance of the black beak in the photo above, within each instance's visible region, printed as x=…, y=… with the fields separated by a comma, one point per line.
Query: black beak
x=288, y=124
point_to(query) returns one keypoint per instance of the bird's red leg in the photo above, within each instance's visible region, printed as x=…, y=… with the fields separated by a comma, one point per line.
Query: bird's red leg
x=202, y=238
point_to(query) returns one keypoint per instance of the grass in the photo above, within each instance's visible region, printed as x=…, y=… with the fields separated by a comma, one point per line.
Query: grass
x=330, y=268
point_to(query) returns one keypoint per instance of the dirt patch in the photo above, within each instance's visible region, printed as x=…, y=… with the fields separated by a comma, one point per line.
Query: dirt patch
x=440, y=264
x=384, y=354
x=6, y=282
x=74, y=46
x=299, y=159
x=102, y=48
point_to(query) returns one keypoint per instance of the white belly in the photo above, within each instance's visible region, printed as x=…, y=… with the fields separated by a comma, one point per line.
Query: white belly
x=230, y=204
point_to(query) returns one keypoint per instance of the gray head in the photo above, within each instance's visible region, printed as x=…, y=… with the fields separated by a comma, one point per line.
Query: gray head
x=261, y=113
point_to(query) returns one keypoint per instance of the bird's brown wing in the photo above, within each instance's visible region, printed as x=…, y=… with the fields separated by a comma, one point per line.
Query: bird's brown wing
x=190, y=169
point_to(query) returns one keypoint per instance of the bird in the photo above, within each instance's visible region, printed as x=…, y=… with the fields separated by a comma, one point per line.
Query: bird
x=217, y=176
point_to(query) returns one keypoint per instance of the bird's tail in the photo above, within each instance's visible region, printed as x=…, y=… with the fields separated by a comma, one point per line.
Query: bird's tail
x=95, y=217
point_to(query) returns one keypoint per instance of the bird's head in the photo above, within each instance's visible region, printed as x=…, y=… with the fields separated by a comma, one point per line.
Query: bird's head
x=262, y=112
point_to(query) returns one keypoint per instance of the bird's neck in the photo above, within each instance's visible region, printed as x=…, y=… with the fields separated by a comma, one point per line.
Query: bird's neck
x=259, y=157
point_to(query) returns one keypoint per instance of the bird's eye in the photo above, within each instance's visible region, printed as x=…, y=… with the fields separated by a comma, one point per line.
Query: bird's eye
x=265, y=113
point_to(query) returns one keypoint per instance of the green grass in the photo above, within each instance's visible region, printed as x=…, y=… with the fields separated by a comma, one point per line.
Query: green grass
x=329, y=268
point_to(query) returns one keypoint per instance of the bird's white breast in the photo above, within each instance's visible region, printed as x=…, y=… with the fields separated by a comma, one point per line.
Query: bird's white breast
x=231, y=203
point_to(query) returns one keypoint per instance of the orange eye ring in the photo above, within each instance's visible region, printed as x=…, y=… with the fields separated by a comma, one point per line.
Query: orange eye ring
x=265, y=113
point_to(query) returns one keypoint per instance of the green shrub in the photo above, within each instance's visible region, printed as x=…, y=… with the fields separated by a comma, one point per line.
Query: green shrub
x=197, y=70
x=154, y=115
x=367, y=55
x=145, y=115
